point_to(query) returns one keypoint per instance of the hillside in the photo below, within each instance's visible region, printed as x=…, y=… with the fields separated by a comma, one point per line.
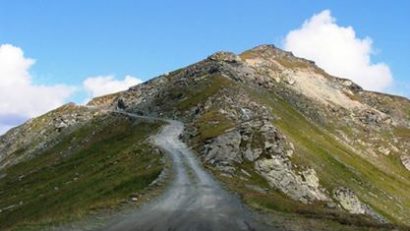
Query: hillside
x=304, y=147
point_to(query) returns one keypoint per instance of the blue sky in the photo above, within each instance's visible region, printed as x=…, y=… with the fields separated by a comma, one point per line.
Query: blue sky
x=71, y=41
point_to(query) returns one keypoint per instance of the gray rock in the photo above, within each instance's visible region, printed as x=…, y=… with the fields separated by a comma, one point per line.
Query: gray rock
x=224, y=148
x=61, y=125
x=225, y=57
x=348, y=200
x=302, y=187
x=252, y=154
x=405, y=160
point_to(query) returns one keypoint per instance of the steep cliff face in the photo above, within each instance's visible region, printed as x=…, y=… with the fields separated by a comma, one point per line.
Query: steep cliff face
x=284, y=134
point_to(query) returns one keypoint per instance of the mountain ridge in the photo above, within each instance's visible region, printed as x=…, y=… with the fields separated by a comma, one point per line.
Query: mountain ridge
x=277, y=129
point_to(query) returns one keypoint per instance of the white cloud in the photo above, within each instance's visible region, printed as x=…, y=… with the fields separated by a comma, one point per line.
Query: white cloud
x=338, y=51
x=102, y=85
x=19, y=97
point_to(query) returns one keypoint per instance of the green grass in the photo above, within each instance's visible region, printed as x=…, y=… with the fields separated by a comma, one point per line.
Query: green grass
x=272, y=200
x=316, y=146
x=202, y=89
x=287, y=213
x=212, y=124
x=336, y=164
x=96, y=167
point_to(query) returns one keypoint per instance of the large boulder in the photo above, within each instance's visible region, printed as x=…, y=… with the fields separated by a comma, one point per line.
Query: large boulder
x=301, y=186
x=349, y=201
x=225, y=57
x=224, y=148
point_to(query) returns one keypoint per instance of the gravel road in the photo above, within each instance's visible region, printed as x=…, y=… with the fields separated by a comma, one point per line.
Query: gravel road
x=193, y=201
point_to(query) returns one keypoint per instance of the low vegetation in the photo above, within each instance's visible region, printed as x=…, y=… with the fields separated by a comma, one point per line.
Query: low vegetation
x=203, y=89
x=96, y=167
x=213, y=124
x=337, y=164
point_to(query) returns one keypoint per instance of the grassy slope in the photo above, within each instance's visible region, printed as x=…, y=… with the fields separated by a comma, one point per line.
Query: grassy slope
x=98, y=166
x=335, y=163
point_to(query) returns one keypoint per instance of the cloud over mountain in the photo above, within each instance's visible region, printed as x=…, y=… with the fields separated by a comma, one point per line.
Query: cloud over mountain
x=339, y=51
x=19, y=96
x=101, y=85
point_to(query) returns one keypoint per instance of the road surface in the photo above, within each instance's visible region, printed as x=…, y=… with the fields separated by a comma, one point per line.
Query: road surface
x=193, y=201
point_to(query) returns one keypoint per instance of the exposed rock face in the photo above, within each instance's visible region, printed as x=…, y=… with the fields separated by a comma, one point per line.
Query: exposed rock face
x=260, y=142
x=105, y=100
x=405, y=160
x=248, y=142
x=225, y=57
x=349, y=201
x=303, y=186
x=224, y=149
x=256, y=139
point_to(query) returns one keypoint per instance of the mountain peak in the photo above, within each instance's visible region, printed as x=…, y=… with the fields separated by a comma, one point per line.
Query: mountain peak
x=225, y=56
x=265, y=122
x=270, y=51
x=266, y=51
x=265, y=47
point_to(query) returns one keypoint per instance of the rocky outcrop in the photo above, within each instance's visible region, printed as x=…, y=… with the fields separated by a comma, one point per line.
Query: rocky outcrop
x=301, y=186
x=225, y=57
x=104, y=100
x=260, y=142
x=372, y=117
x=349, y=201
x=224, y=149
x=22, y=142
x=248, y=142
x=255, y=139
x=405, y=160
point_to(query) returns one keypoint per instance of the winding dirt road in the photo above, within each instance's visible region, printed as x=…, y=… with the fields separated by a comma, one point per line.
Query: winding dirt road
x=193, y=201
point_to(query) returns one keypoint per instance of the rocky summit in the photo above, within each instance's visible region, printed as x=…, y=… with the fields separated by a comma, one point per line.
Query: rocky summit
x=303, y=149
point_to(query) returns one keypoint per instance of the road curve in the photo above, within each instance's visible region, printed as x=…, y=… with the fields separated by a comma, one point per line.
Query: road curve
x=193, y=201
